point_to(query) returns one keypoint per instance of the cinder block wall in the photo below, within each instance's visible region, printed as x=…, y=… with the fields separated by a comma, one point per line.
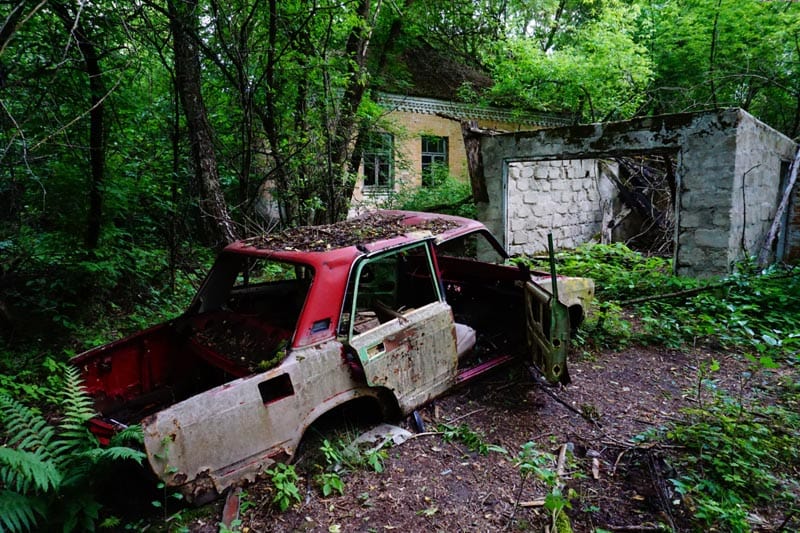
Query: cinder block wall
x=756, y=185
x=560, y=197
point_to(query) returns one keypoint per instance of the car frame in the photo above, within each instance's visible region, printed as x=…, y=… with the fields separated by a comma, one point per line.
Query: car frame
x=390, y=309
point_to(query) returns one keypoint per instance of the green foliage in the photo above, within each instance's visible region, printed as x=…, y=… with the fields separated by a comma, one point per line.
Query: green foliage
x=48, y=470
x=740, y=453
x=750, y=310
x=604, y=329
x=705, y=57
x=329, y=482
x=284, y=480
x=599, y=72
x=531, y=462
x=620, y=273
x=470, y=438
x=342, y=456
x=448, y=195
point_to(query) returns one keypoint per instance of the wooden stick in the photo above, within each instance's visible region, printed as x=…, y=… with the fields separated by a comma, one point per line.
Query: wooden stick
x=562, y=456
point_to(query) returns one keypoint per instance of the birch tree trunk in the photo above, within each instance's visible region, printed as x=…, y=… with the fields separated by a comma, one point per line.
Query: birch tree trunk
x=765, y=253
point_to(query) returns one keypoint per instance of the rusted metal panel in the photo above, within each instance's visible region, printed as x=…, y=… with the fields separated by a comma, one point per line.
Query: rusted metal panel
x=414, y=356
x=547, y=332
x=229, y=433
x=571, y=291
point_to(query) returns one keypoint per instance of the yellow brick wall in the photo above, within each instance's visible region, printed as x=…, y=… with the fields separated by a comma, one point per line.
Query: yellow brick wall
x=409, y=129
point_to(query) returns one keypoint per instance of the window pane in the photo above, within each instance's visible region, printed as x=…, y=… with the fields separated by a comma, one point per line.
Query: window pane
x=378, y=161
x=434, y=160
x=387, y=286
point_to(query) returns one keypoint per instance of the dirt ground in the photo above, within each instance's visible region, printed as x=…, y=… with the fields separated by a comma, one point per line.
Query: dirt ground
x=430, y=484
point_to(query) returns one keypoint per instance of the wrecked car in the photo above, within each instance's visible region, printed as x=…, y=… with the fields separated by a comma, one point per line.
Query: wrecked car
x=392, y=308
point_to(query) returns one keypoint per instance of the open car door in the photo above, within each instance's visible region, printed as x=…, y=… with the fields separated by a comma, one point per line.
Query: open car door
x=547, y=332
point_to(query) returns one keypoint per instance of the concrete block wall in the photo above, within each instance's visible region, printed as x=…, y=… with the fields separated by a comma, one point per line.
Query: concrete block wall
x=561, y=197
x=761, y=156
x=705, y=169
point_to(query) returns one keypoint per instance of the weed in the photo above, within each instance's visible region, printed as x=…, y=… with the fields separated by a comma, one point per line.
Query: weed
x=163, y=457
x=329, y=482
x=531, y=462
x=742, y=454
x=284, y=480
x=342, y=456
x=473, y=440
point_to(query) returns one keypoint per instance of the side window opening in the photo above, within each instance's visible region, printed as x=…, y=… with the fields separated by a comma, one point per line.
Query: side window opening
x=249, y=312
x=476, y=246
x=387, y=287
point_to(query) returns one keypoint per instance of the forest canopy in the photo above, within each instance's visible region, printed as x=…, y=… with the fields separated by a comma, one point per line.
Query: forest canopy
x=137, y=136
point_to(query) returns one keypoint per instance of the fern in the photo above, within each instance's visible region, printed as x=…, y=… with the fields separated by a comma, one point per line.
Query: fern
x=26, y=428
x=47, y=471
x=19, y=512
x=132, y=434
x=25, y=472
x=74, y=436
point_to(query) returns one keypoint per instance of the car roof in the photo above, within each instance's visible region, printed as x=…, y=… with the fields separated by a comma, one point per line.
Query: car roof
x=371, y=232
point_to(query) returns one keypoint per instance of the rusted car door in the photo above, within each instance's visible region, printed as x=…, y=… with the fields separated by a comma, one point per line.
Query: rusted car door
x=547, y=332
x=401, y=329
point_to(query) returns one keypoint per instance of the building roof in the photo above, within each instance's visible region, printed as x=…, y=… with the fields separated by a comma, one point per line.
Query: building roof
x=427, y=81
x=459, y=111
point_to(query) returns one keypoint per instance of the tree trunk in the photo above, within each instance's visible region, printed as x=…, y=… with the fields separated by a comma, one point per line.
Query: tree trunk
x=341, y=189
x=97, y=92
x=183, y=21
x=269, y=119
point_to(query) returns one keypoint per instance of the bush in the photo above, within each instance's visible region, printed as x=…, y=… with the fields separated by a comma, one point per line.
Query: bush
x=448, y=195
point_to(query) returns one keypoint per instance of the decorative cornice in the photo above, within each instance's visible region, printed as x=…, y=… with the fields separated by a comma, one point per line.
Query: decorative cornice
x=459, y=111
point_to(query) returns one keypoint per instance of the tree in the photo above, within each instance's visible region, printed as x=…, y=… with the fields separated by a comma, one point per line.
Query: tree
x=590, y=66
x=723, y=53
x=184, y=22
x=84, y=38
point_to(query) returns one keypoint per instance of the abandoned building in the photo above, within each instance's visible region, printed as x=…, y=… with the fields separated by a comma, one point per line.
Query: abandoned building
x=703, y=187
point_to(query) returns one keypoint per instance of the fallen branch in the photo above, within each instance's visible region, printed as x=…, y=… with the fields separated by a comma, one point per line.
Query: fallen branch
x=690, y=292
x=642, y=527
x=595, y=468
x=535, y=372
x=562, y=457
x=456, y=419
x=687, y=292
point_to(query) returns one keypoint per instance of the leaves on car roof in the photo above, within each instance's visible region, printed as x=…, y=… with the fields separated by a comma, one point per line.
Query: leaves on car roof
x=362, y=230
